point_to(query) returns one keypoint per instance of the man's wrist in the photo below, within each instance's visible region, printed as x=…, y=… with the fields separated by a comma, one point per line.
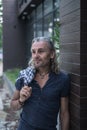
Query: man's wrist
x=20, y=102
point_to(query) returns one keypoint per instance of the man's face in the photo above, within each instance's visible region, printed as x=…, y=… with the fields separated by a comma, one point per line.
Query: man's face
x=41, y=54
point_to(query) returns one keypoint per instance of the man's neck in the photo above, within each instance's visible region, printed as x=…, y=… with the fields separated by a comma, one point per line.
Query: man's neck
x=43, y=70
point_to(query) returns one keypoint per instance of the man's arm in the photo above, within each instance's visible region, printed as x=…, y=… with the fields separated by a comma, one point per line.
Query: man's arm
x=64, y=113
x=20, y=97
x=15, y=105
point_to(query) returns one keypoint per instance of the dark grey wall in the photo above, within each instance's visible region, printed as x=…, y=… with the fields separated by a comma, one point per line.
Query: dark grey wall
x=70, y=54
x=83, y=58
x=14, y=47
x=29, y=37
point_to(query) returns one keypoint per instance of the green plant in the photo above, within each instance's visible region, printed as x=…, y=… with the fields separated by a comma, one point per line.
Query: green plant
x=55, y=37
x=12, y=74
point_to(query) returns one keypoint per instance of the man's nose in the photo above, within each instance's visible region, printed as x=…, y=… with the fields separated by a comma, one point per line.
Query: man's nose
x=36, y=54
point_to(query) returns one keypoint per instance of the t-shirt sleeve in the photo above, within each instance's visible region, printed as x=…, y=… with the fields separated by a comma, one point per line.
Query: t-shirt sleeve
x=19, y=84
x=66, y=87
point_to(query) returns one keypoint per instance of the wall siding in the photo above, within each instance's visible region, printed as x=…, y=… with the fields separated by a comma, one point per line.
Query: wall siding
x=70, y=54
x=83, y=58
x=73, y=57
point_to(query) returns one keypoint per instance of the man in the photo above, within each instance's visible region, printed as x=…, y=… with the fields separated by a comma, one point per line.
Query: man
x=46, y=94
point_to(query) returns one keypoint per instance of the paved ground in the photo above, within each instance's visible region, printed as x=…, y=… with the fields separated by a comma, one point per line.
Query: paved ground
x=8, y=118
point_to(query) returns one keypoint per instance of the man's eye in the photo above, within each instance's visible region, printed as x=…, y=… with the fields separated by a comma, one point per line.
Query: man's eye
x=33, y=52
x=40, y=51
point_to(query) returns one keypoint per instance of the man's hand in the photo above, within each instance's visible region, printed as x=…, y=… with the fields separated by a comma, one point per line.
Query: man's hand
x=25, y=93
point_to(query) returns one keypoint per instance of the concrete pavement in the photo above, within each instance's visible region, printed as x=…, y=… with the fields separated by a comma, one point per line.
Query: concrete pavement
x=8, y=118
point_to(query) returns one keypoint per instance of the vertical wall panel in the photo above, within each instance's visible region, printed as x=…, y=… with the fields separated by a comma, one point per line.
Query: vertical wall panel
x=70, y=54
x=83, y=59
x=14, y=47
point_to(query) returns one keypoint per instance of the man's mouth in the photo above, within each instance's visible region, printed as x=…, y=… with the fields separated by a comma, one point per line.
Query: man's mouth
x=37, y=61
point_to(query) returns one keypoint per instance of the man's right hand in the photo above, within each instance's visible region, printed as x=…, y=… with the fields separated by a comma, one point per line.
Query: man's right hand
x=25, y=93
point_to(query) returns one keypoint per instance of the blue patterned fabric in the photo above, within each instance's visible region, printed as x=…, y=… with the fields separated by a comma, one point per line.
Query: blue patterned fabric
x=27, y=75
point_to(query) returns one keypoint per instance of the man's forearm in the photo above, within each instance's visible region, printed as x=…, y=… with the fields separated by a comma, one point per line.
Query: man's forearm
x=65, y=122
x=16, y=105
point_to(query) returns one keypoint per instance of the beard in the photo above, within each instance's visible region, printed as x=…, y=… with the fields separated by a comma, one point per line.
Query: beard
x=40, y=63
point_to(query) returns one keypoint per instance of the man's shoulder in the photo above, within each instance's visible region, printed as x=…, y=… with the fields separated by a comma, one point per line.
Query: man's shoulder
x=62, y=75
